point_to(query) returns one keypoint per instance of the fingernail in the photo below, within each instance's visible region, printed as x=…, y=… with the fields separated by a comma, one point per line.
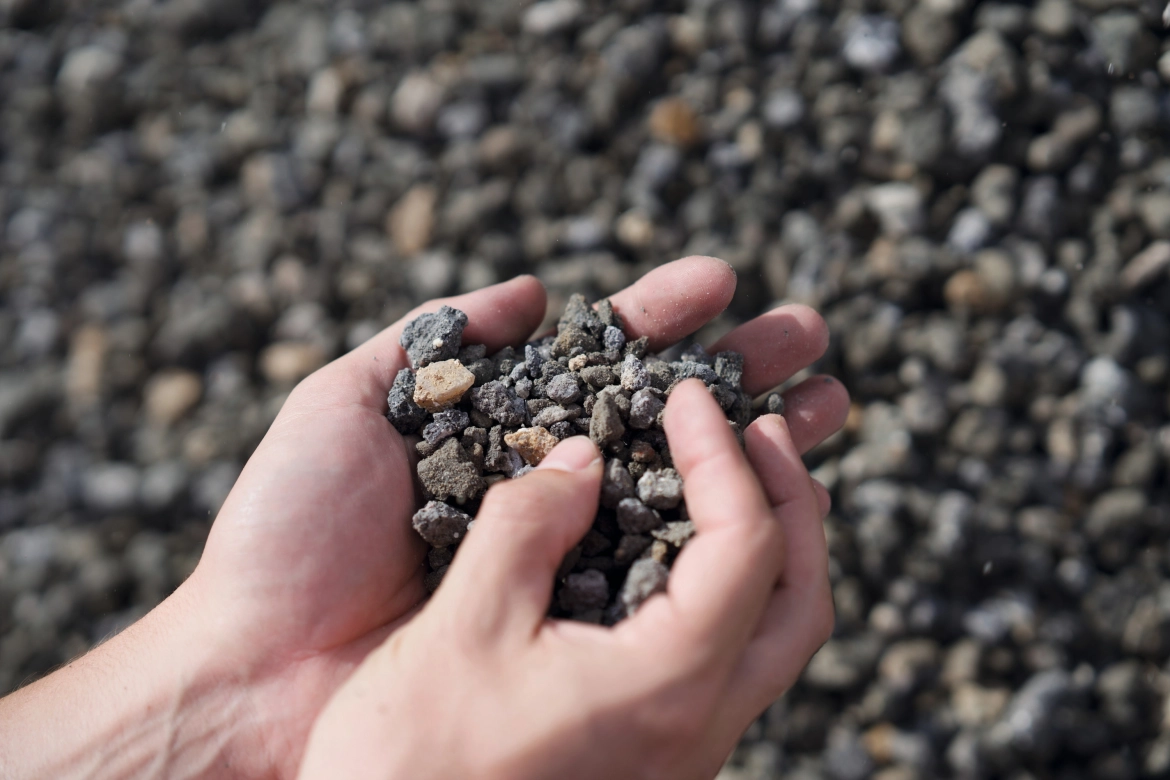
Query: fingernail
x=573, y=454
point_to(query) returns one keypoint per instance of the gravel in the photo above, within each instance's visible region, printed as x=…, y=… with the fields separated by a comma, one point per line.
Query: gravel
x=203, y=201
x=543, y=388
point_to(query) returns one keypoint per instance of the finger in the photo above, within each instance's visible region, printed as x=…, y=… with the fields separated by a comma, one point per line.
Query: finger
x=723, y=578
x=776, y=345
x=799, y=617
x=503, y=572
x=815, y=409
x=824, y=500
x=505, y=313
x=675, y=300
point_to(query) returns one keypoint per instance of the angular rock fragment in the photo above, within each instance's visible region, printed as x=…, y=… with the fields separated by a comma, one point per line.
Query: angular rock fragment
x=404, y=414
x=533, y=444
x=563, y=389
x=634, y=375
x=630, y=547
x=450, y=473
x=497, y=401
x=584, y=592
x=634, y=517
x=441, y=525
x=645, y=578
x=606, y=423
x=675, y=533
x=430, y=338
x=446, y=423
x=439, y=385
x=660, y=489
x=645, y=407
x=775, y=404
x=616, y=484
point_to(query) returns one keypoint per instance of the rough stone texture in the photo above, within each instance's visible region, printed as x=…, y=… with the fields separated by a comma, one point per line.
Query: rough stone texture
x=441, y=525
x=660, y=488
x=433, y=337
x=645, y=578
x=445, y=424
x=532, y=444
x=403, y=412
x=645, y=407
x=584, y=592
x=188, y=183
x=450, y=473
x=634, y=517
x=616, y=483
x=501, y=404
x=605, y=425
x=439, y=385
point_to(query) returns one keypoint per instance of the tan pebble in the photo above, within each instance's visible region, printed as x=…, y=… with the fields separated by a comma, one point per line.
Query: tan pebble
x=87, y=356
x=579, y=362
x=171, y=394
x=532, y=443
x=290, y=361
x=441, y=384
x=964, y=291
x=673, y=121
x=411, y=220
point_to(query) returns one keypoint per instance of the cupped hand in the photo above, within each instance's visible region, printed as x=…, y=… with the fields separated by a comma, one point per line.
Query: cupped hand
x=482, y=684
x=312, y=562
x=481, y=681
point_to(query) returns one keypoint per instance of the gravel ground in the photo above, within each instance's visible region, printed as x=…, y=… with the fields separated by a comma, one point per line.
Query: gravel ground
x=203, y=200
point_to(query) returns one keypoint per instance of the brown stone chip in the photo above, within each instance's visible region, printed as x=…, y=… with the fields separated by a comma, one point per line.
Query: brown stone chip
x=442, y=384
x=532, y=443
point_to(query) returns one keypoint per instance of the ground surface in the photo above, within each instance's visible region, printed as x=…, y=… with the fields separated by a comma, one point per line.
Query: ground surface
x=202, y=200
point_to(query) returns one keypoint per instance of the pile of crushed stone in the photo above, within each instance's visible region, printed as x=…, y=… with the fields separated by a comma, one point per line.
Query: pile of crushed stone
x=486, y=418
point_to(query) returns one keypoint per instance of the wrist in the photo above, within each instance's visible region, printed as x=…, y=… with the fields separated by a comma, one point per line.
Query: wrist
x=156, y=700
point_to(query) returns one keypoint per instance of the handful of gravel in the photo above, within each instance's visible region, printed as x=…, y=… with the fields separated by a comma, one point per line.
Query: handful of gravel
x=487, y=418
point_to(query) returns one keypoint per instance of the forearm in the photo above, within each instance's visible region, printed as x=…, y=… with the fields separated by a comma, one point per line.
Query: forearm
x=148, y=703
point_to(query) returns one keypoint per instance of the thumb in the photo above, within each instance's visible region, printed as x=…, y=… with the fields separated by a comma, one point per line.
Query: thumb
x=503, y=573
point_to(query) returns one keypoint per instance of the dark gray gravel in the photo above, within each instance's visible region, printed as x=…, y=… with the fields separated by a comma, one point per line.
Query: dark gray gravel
x=203, y=201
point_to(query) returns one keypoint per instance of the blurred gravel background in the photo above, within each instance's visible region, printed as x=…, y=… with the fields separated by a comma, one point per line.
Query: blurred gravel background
x=203, y=200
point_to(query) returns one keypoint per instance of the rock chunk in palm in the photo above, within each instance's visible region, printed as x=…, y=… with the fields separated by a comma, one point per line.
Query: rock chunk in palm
x=645, y=407
x=584, y=592
x=616, y=484
x=660, y=489
x=498, y=401
x=533, y=444
x=645, y=578
x=404, y=414
x=430, y=338
x=441, y=525
x=634, y=517
x=451, y=473
x=439, y=385
x=606, y=424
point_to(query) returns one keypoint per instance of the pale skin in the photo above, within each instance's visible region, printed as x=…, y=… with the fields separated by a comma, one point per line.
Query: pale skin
x=302, y=641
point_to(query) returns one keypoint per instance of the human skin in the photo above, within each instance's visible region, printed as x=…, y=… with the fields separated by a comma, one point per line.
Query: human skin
x=312, y=564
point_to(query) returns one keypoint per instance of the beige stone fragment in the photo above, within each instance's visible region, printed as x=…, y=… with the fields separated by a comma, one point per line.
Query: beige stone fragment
x=411, y=220
x=441, y=384
x=532, y=443
x=290, y=361
x=171, y=394
x=87, y=357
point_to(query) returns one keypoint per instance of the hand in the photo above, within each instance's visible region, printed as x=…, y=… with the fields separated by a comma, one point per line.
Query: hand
x=312, y=563
x=482, y=684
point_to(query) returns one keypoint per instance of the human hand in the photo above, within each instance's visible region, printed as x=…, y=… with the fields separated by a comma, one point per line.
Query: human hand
x=312, y=562
x=482, y=684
